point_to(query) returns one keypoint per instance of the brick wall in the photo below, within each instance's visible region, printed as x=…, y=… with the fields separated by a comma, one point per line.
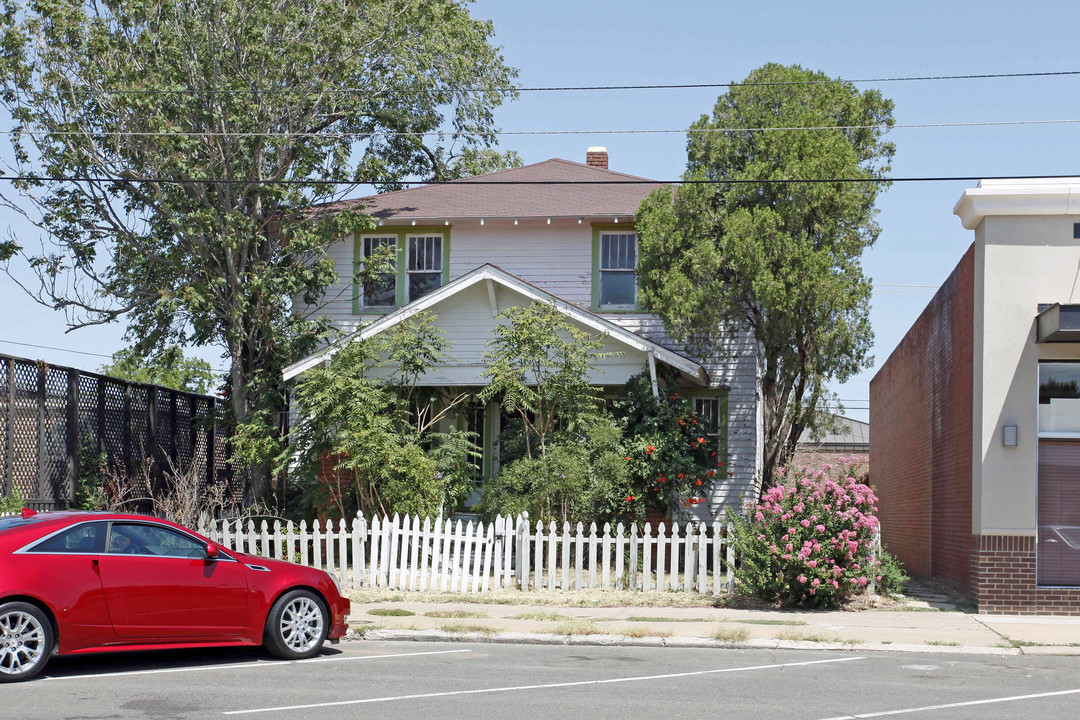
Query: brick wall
x=920, y=448
x=1003, y=579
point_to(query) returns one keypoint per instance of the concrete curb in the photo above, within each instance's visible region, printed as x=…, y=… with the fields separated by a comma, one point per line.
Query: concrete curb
x=512, y=638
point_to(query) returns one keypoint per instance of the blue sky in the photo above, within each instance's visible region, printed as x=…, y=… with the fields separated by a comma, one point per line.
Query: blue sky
x=586, y=43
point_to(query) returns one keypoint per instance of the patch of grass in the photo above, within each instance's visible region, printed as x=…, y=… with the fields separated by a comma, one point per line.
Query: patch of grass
x=947, y=643
x=731, y=635
x=769, y=622
x=886, y=642
x=801, y=636
x=542, y=616
x=1014, y=643
x=640, y=632
x=578, y=627
x=646, y=618
x=390, y=612
x=457, y=614
x=361, y=631
x=462, y=628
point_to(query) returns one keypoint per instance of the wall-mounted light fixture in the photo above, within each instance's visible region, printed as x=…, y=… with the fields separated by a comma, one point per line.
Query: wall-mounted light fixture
x=579, y=220
x=515, y=221
x=414, y=222
x=446, y=222
x=481, y=222
x=616, y=219
x=1008, y=435
x=549, y=221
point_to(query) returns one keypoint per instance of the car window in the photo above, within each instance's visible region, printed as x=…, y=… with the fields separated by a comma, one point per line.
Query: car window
x=83, y=538
x=155, y=540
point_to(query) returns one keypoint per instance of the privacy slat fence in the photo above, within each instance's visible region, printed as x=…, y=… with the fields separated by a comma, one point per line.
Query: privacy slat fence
x=446, y=555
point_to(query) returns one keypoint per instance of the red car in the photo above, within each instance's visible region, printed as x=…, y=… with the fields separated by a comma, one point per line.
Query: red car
x=82, y=582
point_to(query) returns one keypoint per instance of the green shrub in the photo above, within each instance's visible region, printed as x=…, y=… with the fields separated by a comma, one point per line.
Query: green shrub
x=12, y=503
x=893, y=577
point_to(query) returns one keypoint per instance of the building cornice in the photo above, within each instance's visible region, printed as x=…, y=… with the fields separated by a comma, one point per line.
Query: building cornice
x=1018, y=197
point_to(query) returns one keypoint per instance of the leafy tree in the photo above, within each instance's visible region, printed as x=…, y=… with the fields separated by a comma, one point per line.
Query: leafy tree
x=478, y=161
x=539, y=365
x=779, y=259
x=168, y=368
x=367, y=413
x=181, y=143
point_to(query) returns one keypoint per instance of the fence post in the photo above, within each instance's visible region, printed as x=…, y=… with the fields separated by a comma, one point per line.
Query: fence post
x=9, y=450
x=72, y=435
x=42, y=480
x=730, y=558
x=875, y=555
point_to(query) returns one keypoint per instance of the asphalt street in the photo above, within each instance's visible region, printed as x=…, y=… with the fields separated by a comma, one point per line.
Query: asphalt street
x=411, y=680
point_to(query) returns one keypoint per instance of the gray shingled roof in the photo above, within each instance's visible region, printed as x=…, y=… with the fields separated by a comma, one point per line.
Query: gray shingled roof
x=852, y=435
x=467, y=198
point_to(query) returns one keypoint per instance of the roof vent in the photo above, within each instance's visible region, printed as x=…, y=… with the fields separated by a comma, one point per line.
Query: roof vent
x=596, y=157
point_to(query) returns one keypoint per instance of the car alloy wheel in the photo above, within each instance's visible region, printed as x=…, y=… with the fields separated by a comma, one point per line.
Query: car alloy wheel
x=301, y=625
x=24, y=641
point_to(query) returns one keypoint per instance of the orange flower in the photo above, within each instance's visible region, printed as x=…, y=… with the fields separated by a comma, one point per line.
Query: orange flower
x=662, y=479
x=629, y=498
x=701, y=440
x=698, y=482
x=627, y=458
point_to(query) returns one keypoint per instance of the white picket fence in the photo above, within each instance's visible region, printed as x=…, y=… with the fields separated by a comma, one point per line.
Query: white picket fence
x=447, y=556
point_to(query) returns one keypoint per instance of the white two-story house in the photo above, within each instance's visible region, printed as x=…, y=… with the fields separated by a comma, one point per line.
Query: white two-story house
x=469, y=249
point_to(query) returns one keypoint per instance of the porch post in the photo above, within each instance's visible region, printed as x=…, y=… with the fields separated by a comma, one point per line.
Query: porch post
x=652, y=375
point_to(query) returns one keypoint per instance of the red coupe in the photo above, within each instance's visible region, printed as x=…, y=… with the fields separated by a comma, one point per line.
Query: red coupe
x=82, y=582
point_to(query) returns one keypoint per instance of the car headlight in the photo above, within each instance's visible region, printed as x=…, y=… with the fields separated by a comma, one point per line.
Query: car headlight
x=333, y=579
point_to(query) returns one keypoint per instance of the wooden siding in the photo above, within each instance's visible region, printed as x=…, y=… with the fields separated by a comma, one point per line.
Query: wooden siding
x=558, y=259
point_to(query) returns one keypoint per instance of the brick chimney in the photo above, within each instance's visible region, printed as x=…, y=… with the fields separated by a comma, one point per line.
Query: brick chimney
x=596, y=157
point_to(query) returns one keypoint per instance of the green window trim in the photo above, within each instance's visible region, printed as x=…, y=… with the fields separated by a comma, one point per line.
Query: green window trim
x=597, y=230
x=722, y=440
x=402, y=234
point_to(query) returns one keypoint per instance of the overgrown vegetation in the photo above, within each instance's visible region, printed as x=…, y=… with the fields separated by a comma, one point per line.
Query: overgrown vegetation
x=389, y=441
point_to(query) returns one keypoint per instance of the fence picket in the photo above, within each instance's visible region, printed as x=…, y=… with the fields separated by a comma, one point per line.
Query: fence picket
x=304, y=556
x=565, y=550
x=661, y=556
x=605, y=558
x=266, y=550
x=455, y=557
x=509, y=535
x=538, y=558
x=343, y=552
x=553, y=535
x=620, y=539
x=329, y=540
x=290, y=544
x=646, y=567
x=496, y=552
x=673, y=567
x=414, y=541
x=425, y=555
x=702, y=557
x=579, y=555
x=359, y=535
x=395, y=543
x=523, y=551
x=468, y=556
x=477, y=557
x=489, y=552
x=717, y=553
x=444, y=575
x=593, y=540
x=730, y=559
x=226, y=537
x=376, y=535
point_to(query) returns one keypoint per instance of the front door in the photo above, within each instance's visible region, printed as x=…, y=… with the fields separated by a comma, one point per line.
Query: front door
x=159, y=584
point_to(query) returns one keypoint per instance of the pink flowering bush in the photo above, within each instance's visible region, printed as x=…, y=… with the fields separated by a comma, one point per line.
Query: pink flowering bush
x=809, y=541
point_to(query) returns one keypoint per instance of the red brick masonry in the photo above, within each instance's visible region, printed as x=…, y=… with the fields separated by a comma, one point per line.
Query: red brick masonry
x=1003, y=579
x=920, y=447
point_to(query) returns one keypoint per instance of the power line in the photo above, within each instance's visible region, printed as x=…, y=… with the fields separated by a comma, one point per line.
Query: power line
x=536, y=133
x=75, y=352
x=472, y=181
x=566, y=88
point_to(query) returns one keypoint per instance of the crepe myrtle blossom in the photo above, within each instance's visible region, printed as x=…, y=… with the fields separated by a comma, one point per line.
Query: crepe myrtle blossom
x=810, y=538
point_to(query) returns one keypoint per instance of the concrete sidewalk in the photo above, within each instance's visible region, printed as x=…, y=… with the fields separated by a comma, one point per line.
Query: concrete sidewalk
x=913, y=629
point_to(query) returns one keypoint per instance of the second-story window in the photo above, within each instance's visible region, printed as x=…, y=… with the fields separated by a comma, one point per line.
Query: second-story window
x=382, y=292
x=425, y=269
x=618, y=261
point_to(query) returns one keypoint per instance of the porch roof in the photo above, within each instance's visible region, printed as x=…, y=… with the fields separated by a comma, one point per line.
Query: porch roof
x=495, y=275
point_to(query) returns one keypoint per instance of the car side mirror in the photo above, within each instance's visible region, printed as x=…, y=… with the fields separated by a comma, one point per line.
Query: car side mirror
x=211, y=551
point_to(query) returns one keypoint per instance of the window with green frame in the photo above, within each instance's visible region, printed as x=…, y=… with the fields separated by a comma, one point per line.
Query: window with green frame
x=614, y=264
x=712, y=408
x=422, y=266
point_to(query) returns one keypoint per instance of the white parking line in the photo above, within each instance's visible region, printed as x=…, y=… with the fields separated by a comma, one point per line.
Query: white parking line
x=947, y=706
x=257, y=664
x=577, y=683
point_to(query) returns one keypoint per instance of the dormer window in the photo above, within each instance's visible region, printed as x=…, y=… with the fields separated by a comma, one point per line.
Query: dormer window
x=617, y=267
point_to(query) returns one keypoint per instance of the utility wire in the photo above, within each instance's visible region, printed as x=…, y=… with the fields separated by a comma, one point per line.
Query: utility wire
x=533, y=133
x=471, y=181
x=76, y=352
x=571, y=88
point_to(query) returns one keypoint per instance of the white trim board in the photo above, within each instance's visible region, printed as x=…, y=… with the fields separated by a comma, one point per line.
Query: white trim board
x=497, y=275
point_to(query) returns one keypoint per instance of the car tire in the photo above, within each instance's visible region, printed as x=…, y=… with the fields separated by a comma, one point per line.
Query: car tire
x=297, y=625
x=26, y=641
